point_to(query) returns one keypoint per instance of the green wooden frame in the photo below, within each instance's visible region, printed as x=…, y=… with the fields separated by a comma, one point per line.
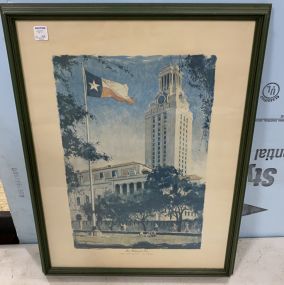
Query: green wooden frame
x=260, y=13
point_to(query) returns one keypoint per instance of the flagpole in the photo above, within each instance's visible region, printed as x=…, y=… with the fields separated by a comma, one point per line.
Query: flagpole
x=88, y=139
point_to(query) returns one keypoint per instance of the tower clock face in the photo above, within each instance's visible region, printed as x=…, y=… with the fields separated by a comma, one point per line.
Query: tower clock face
x=161, y=99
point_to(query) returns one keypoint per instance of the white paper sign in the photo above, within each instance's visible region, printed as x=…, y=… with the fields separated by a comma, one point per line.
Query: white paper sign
x=40, y=33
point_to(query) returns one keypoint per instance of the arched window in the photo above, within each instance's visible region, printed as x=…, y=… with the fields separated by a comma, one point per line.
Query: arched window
x=139, y=185
x=117, y=189
x=124, y=189
x=131, y=188
x=87, y=199
x=78, y=217
x=78, y=201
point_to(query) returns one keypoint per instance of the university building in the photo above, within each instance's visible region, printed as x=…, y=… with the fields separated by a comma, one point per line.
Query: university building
x=168, y=124
x=122, y=179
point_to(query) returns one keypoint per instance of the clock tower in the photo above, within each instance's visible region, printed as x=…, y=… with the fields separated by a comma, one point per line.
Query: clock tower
x=168, y=124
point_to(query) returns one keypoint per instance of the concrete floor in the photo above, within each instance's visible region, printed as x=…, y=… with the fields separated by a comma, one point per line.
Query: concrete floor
x=259, y=262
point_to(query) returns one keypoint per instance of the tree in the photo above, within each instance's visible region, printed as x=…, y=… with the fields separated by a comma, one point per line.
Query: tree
x=120, y=209
x=72, y=116
x=144, y=204
x=200, y=71
x=113, y=208
x=178, y=193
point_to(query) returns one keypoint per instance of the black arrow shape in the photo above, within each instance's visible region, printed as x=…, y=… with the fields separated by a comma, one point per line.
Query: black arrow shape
x=250, y=209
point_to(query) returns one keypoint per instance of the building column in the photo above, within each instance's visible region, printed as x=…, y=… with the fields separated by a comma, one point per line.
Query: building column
x=135, y=187
x=128, y=189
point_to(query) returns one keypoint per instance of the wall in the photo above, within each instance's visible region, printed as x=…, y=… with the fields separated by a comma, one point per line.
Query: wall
x=264, y=193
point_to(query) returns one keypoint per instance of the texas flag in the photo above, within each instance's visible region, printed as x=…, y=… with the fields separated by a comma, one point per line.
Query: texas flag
x=103, y=88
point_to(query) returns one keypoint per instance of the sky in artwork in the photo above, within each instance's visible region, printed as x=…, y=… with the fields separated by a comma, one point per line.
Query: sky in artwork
x=118, y=127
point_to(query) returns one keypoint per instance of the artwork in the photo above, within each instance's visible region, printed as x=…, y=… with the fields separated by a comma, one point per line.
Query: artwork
x=137, y=127
x=135, y=134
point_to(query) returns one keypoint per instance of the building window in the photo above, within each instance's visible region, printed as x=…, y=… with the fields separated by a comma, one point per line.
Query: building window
x=99, y=197
x=131, y=188
x=78, y=217
x=139, y=185
x=101, y=175
x=87, y=199
x=78, y=201
x=132, y=172
x=124, y=189
x=114, y=173
x=117, y=189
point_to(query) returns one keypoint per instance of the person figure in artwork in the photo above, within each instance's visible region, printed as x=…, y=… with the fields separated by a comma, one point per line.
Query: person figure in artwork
x=187, y=229
x=156, y=227
x=174, y=228
x=124, y=227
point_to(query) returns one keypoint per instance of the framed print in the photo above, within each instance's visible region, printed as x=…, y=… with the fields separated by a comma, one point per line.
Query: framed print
x=137, y=122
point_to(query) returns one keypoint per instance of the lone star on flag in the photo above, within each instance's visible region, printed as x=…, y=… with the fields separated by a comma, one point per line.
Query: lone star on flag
x=94, y=85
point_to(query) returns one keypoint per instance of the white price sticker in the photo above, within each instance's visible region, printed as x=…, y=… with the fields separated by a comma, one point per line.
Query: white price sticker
x=40, y=33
